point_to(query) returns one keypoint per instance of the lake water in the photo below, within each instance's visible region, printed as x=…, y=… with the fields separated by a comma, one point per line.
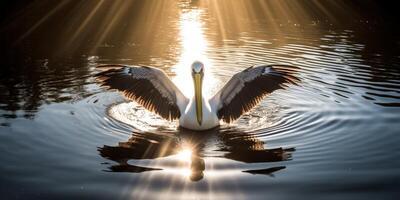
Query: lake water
x=335, y=135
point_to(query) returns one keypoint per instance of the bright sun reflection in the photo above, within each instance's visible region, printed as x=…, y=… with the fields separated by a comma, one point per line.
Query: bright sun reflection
x=194, y=47
x=191, y=165
x=185, y=155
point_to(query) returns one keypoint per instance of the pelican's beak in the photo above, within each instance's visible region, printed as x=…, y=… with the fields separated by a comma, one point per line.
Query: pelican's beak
x=198, y=96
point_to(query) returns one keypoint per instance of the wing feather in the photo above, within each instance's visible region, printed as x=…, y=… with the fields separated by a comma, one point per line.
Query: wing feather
x=247, y=88
x=148, y=86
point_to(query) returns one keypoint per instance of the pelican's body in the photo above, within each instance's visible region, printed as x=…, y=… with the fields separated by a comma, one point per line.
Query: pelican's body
x=152, y=88
x=189, y=118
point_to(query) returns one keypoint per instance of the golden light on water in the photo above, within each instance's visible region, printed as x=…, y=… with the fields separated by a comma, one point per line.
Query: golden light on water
x=194, y=47
x=191, y=32
x=183, y=160
x=184, y=155
x=103, y=23
x=163, y=34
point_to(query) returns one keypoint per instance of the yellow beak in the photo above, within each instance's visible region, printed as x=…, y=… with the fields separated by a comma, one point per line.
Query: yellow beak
x=198, y=96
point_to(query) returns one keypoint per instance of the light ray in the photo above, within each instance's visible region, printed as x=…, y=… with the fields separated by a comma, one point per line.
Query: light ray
x=43, y=19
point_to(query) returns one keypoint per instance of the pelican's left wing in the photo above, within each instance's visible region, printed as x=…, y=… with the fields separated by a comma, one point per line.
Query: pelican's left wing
x=148, y=86
x=247, y=88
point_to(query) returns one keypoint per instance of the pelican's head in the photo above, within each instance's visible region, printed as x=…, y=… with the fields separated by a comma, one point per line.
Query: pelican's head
x=197, y=67
x=197, y=74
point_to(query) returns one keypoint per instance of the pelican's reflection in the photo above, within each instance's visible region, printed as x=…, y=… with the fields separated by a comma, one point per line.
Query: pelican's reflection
x=188, y=145
x=245, y=147
x=197, y=167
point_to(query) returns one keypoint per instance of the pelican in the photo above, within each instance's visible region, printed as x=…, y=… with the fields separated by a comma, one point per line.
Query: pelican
x=151, y=88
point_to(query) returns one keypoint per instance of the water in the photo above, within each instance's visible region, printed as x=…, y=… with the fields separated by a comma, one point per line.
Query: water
x=333, y=136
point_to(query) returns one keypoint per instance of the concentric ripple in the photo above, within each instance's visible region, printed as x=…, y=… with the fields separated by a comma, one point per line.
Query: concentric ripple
x=333, y=134
x=335, y=120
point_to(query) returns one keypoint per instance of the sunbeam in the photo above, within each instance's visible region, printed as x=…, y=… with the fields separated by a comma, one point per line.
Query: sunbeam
x=199, y=99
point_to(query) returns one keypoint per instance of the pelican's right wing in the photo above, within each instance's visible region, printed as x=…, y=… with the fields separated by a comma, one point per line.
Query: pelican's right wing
x=148, y=86
x=247, y=88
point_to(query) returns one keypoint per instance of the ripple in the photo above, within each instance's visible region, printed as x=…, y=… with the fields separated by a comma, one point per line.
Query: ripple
x=338, y=96
x=335, y=133
x=137, y=116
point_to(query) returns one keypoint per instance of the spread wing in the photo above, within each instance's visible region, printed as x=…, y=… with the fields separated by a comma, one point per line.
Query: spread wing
x=148, y=86
x=247, y=88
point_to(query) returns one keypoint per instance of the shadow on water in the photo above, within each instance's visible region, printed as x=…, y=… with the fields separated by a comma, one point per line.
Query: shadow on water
x=234, y=144
x=342, y=119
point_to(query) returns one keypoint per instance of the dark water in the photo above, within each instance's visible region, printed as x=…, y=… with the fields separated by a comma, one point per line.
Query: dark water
x=335, y=135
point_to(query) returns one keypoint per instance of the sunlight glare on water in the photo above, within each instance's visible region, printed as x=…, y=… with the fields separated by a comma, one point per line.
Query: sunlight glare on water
x=333, y=135
x=185, y=154
x=194, y=46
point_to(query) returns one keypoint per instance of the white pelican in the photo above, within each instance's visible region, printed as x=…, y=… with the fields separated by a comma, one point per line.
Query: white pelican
x=152, y=88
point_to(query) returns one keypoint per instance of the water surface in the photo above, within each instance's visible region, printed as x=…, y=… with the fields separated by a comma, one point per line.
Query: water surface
x=334, y=135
